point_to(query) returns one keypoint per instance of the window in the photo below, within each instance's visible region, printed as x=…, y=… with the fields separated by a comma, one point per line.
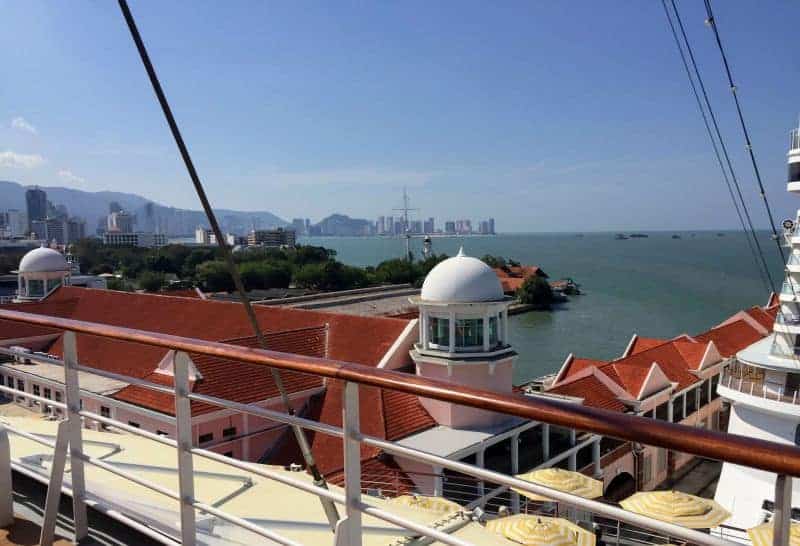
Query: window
x=161, y=433
x=35, y=287
x=228, y=454
x=797, y=436
x=20, y=385
x=36, y=390
x=493, y=337
x=10, y=382
x=207, y=437
x=230, y=431
x=134, y=424
x=48, y=393
x=469, y=333
x=2, y=379
x=105, y=412
x=439, y=331
x=58, y=396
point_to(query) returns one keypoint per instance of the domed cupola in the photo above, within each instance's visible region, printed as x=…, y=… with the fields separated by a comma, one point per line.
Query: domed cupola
x=463, y=335
x=41, y=271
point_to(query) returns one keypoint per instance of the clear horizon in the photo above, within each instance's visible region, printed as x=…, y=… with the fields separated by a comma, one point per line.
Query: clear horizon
x=546, y=117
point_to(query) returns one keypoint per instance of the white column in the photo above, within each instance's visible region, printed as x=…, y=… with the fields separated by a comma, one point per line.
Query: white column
x=515, y=471
x=573, y=457
x=485, y=333
x=423, y=329
x=710, y=389
x=452, y=324
x=670, y=412
x=479, y=462
x=684, y=406
x=72, y=397
x=183, y=433
x=6, y=489
x=350, y=526
x=505, y=326
x=598, y=471
x=438, y=482
x=545, y=441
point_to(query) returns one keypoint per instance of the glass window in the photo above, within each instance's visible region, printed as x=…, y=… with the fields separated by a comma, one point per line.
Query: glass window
x=230, y=431
x=47, y=393
x=439, y=331
x=36, y=390
x=207, y=437
x=10, y=382
x=35, y=287
x=493, y=336
x=58, y=396
x=469, y=333
x=20, y=385
x=105, y=412
x=134, y=424
x=52, y=284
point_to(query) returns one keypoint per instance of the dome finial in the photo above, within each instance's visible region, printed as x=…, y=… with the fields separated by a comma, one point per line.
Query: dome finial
x=461, y=251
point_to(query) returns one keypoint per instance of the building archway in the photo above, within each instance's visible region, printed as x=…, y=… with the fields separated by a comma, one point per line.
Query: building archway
x=621, y=487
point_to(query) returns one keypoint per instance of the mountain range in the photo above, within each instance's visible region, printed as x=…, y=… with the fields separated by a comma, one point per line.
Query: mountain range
x=150, y=216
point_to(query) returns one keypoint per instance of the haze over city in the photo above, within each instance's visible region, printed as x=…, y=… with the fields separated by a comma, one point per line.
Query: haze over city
x=546, y=117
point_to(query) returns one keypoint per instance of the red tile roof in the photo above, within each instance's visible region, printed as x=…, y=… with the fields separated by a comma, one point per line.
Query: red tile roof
x=577, y=365
x=643, y=343
x=731, y=338
x=380, y=472
x=593, y=392
x=251, y=384
x=761, y=316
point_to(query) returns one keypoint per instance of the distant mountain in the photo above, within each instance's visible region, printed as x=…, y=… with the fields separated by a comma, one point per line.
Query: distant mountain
x=150, y=216
x=341, y=225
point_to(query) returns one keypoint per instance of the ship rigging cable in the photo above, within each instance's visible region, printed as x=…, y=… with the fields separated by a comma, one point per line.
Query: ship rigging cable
x=758, y=256
x=330, y=509
x=748, y=143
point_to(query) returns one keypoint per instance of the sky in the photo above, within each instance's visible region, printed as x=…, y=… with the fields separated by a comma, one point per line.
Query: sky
x=548, y=116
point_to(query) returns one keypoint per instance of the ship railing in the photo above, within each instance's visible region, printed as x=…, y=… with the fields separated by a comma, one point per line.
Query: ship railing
x=794, y=139
x=783, y=350
x=781, y=459
x=794, y=259
x=760, y=388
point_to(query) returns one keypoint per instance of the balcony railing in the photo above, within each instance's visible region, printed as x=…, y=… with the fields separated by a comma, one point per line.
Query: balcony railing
x=788, y=319
x=780, y=349
x=759, y=388
x=794, y=139
x=784, y=460
x=790, y=289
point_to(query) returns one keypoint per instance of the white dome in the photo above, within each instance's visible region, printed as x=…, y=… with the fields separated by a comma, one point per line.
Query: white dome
x=43, y=260
x=462, y=279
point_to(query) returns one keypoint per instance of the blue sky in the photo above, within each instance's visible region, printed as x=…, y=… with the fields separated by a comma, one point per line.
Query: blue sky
x=549, y=116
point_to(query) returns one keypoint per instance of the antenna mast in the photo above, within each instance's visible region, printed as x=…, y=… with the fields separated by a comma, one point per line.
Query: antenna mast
x=406, y=226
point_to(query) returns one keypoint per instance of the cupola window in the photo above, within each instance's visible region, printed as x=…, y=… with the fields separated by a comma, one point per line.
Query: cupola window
x=469, y=333
x=439, y=331
x=493, y=335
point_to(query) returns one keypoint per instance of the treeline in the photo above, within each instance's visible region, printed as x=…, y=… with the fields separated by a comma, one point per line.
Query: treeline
x=179, y=266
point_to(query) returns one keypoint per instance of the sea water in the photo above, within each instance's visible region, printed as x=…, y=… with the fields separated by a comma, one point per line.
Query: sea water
x=657, y=286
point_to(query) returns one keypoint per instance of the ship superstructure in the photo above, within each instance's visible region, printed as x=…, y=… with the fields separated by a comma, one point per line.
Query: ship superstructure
x=763, y=385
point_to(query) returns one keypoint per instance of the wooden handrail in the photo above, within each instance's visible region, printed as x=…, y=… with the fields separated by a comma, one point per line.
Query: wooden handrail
x=755, y=453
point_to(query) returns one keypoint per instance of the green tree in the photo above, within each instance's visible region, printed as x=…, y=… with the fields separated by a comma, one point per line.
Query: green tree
x=214, y=276
x=117, y=284
x=494, y=261
x=150, y=281
x=535, y=291
x=263, y=275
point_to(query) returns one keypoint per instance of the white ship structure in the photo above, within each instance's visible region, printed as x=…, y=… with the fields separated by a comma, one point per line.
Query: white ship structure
x=762, y=387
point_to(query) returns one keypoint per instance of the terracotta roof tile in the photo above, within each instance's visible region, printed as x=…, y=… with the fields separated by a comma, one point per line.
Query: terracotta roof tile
x=762, y=317
x=731, y=338
x=593, y=392
x=643, y=343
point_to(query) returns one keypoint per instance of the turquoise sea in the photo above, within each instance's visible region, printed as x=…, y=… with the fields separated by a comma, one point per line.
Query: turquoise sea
x=655, y=286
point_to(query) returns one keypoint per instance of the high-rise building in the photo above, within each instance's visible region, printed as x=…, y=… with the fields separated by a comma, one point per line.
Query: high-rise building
x=272, y=237
x=121, y=222
x=450, y=227
x=429, y=226
x=299, y=226
x=36, y=201
x=389, y=225
x=76, y=229
x=114, y=206
x=415, y=226
x=491, y=226
x=380, y=225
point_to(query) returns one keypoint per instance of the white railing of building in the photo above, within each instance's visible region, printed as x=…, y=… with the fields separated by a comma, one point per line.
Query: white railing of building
x=759, y=388
x=348, y=531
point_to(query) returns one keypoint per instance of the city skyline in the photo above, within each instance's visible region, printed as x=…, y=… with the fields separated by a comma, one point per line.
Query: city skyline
x=554, y=142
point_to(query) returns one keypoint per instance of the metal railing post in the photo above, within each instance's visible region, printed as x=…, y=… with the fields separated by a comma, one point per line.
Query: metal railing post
x=572, y=461
x=72, y=394
x=183, y=426
x=783, y=506
x=514, y=471
x=6, y=494
x=348, y=529
x=53, y=498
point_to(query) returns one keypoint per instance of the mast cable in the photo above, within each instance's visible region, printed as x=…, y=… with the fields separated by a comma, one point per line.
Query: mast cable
x=748, y=144
x=330, y=509
x=723, y=147
x=759, y=263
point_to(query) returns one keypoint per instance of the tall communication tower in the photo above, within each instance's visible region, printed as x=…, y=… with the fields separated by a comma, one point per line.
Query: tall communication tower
x=405, y=209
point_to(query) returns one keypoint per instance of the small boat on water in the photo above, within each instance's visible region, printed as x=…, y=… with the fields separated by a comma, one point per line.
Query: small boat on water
x=676, y=236
x=639, y=236
x=620, y=237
